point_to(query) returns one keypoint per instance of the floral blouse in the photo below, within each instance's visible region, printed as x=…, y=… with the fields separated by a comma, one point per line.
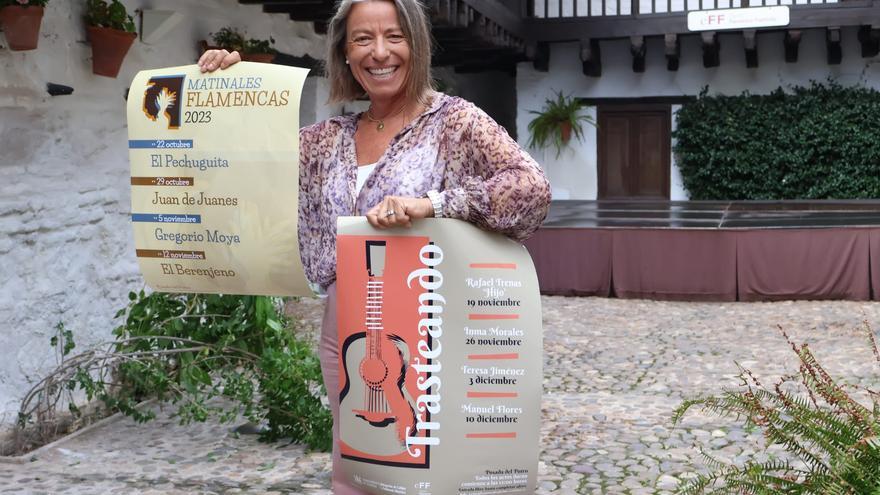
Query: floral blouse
x=483, y=176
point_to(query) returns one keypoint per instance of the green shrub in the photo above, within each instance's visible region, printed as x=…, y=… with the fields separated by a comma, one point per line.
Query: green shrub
x=817, y=142
x=831, y=439
x=111, y=15
x=232, y=39
x=189, y=349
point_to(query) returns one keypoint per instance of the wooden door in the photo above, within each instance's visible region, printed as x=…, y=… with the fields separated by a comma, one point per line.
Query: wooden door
x=633, y=142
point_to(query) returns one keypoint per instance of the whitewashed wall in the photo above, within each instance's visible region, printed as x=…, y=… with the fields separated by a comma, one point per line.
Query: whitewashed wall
x=66, y=251
x=573, y=175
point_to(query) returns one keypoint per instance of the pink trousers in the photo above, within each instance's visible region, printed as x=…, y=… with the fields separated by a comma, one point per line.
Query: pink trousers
x=329, y=353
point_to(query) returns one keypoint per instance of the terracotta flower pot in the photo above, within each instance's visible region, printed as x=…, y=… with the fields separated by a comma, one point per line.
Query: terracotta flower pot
x=265, y=58
x=21, y=25
x=565, y=130
x=109, y=47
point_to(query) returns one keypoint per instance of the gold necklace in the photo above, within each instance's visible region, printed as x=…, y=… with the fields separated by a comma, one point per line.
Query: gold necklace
x=380, y=123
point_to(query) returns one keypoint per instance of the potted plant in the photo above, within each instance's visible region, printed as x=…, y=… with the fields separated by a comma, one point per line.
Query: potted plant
x=555, y=124
x=251, y=50
x=111, y=32
x=20, y=21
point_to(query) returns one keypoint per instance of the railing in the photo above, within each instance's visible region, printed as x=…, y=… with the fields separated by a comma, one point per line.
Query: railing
x=547, y=9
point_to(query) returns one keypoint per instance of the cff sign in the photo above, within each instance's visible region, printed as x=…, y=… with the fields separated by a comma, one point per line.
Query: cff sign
x=747, y=18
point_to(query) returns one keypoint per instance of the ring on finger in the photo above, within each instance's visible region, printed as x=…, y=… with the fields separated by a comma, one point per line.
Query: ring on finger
x=389, y=213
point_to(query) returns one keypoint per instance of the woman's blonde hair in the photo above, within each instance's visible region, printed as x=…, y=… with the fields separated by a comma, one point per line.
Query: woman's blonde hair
x=417, y=30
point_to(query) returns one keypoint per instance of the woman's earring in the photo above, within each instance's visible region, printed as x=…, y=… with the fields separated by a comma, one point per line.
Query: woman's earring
x=346, y=61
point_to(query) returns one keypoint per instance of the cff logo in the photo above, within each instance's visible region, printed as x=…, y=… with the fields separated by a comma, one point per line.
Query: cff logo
x=162, y=99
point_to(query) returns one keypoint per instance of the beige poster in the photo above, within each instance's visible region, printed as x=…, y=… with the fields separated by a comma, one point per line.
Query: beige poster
x=214, y=178
x=440, y=343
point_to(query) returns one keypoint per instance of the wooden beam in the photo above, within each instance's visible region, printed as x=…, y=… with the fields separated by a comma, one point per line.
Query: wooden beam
x=638, y=49
x=466, y=43
x=750, y=42
x=869, y=37
x=602, y=27
x=499, y=13
x=673, y=51
x=481, y=67
x=711, y=49
x=791, y=41
x=541, y=61
x=442, y=13
x=832, y=44
x=475, y=58
x=591, y=58
x=502, y=59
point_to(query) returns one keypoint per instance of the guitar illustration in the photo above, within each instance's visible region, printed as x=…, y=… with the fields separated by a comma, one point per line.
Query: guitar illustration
x=374, y=397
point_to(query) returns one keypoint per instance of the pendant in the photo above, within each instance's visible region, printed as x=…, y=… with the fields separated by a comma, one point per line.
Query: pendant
x=380, y=126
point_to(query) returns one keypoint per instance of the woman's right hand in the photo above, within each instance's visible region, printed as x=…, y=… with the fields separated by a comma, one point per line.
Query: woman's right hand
x=212, y=60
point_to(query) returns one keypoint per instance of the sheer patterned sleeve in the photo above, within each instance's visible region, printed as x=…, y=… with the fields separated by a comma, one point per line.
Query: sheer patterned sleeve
x=503, y=190
x=309, y=225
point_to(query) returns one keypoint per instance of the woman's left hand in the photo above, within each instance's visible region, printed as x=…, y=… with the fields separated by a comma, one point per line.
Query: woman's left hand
x=212, y=60
x=399, y=211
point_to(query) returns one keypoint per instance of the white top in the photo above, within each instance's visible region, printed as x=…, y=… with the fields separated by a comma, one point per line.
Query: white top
x=364, y=171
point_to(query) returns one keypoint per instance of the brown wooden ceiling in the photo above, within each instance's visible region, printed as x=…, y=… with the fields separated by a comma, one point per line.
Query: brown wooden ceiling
x=468, y=39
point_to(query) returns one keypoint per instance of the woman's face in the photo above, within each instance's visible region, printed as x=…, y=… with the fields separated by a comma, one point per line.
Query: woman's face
x=377, y=51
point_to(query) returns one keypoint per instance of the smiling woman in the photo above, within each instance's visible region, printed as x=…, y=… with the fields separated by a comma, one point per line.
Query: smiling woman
x=432, y=155
x=378, y=54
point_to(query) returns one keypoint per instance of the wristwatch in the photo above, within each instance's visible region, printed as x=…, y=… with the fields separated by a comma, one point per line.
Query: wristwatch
x=436, y=202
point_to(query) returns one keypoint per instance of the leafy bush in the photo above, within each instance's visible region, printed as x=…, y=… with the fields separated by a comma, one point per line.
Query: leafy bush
x=113, y=15
x=189, y=349
x=833, y=440
x=231, y=39
x=817, y=142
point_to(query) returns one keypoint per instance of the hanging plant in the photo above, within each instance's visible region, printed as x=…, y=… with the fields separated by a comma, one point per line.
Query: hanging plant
x=250, y=49
x=20, y=21
x=111, y=31
x=560, y=118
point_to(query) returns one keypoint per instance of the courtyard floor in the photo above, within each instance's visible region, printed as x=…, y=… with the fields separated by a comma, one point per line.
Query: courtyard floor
x=614, y=371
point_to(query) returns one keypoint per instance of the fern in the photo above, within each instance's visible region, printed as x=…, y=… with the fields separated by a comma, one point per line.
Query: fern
x=834, y=438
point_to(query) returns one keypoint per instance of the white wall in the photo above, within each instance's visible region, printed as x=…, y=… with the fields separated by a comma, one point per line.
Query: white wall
x=66, y=251
x=576, y=170
x=677, y=192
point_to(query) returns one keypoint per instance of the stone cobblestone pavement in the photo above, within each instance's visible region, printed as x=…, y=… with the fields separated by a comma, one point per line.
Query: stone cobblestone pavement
x=614, y=372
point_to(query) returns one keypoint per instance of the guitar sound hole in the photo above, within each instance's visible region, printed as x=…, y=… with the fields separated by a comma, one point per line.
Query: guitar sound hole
x=373, y=371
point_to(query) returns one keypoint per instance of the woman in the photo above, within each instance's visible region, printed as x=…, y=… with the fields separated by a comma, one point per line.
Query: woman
x=415, y=153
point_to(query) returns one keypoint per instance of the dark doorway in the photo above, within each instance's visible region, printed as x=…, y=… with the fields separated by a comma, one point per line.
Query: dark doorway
x=633, y=151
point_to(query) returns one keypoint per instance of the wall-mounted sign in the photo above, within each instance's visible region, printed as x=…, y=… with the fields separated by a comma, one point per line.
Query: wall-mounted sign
x=747, y=18
x=214, y=179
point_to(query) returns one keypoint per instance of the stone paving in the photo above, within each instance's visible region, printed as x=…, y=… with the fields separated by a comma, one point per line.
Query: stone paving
x=614, y=372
